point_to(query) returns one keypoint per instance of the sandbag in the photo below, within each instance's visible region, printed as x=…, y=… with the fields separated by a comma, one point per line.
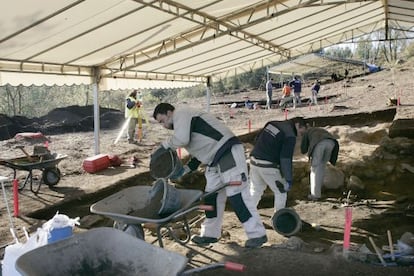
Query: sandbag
x=14, y=251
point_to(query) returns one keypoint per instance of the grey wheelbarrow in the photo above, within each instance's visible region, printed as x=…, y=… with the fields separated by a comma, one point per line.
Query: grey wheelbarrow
x=48, y=165
x=107, y=251
x=134, y=206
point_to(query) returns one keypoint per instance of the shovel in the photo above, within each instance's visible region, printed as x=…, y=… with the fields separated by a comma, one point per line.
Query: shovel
x=29, y=157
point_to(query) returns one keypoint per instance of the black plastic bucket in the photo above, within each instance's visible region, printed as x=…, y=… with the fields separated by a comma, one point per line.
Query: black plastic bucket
x=166, y=197
x=164, y=163
x=286, y=222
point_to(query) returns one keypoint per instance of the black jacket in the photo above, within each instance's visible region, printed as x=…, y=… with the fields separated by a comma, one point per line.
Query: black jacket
x=276, y=144
x=312, y=137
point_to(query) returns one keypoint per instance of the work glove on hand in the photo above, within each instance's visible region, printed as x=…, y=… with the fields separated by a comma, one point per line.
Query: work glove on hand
x=289, y=185
x=177, y=176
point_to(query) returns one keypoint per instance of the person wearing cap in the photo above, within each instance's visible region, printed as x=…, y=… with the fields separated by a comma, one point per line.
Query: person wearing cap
x=134, y=112
x=212, y=143
x=321, y=147
x=271, y=160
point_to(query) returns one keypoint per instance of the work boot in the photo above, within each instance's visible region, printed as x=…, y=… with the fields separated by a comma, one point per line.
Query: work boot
x=313, y=198
x=198, y=240
x=256, y=242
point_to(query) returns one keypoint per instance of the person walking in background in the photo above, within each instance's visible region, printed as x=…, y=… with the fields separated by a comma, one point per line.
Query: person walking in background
x=271, y=161
x=321, y=147
x=315, y=90
x=269, y=91
x=212, y=143
x=132, y=112
x=296, y=85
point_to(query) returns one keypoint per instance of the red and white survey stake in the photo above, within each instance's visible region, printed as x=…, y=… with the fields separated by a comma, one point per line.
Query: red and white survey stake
x=16, y=197
x=347, y=229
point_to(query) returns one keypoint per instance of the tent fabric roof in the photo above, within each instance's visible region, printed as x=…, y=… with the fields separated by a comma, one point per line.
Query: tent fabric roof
x=179, y=41
x=315, y=63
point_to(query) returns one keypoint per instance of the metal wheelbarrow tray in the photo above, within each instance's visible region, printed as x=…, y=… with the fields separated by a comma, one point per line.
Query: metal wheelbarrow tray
x=107, y=251
x=50, y=171
x=131, y=207
x=100, y=251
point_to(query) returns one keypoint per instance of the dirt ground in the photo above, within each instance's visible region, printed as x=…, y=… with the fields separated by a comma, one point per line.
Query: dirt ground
x=316, y=249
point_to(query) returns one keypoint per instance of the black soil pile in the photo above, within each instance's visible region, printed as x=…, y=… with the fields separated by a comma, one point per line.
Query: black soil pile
x=60, y=120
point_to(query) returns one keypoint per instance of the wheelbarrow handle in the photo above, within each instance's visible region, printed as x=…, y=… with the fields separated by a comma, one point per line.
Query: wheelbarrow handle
x=233, y=183
x=222, y=186
x=227, y=265
x=206, y=207
x=234, y=266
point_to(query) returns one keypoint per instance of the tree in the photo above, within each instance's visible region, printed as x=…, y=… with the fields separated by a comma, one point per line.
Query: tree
x=339, y=52
x=409, y=50
x=363, y=49
x=159, y=94
x=218, y=87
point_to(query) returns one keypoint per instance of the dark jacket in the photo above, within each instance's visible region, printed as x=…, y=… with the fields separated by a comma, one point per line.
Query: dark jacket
x=312, y=137
x=276, y=144
x=296, y=84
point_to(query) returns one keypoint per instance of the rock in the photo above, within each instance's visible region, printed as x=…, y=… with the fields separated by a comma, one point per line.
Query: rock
x=90, y=220
x=392, y=102
x=402, y=128
x=334, y=178
x=408, y=238
x=293, y=243
x=355, y=183
x=407, y=167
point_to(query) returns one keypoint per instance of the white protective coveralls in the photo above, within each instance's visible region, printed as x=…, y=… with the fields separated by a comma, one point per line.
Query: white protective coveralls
x=211, y=142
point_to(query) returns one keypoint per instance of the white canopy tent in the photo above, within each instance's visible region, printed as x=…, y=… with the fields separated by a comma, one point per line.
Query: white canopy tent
x=311, y=63
x=179, y=42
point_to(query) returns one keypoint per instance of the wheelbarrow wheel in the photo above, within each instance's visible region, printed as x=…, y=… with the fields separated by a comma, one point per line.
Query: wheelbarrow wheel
x=134, y=230
x=51, y=176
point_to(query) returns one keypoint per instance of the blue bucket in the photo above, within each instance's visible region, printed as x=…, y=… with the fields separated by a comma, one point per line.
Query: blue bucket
x=58, y=234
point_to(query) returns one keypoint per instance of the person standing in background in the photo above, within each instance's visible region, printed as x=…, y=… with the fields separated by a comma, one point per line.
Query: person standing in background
x=133, y=113
x=269, y=91
x=142, y=116
x=321, y=147
x=315, y=90
x=296, y=85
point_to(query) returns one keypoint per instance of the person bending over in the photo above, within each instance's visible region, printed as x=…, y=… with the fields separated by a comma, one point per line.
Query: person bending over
x=212, y=143
x=321, y=147
x=271, y=161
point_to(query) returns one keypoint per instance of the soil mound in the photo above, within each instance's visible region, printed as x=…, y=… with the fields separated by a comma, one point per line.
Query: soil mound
x=60, y=120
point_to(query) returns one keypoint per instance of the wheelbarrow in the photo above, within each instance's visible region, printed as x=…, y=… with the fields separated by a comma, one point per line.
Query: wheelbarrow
x=46, y=163
x=131, y=207
x=107, y=251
